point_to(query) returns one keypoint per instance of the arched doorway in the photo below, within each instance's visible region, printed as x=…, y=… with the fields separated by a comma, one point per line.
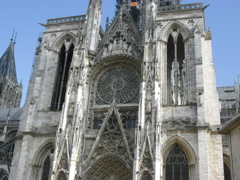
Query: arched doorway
x=109, y=167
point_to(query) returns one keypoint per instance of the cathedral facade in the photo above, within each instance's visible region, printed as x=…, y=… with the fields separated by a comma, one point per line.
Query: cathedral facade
x=136, y=101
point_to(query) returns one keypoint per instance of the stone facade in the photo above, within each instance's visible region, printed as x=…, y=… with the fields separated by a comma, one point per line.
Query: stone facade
x=138, y=101
x=232, y=129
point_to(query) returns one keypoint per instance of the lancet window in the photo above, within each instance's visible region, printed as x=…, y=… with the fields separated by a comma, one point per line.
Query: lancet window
x=46, y=169
x=118, y=85
x=61, y=79
x=177, y=164
x=176, y=70
x=227, y=172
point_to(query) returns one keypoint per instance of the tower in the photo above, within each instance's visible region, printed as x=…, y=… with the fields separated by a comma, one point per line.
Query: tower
x=10, y=90
x=137, y=101
x=10, y=110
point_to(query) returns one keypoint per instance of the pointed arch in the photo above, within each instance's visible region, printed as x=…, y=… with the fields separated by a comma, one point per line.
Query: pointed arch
x=62, y=75
x=146, y=160
x=40, y=160
x=107, y=166
x=170, y=29
x=10, y=135
x=66, y=39
x=42, y=151
x=188, y=150
x=111, y=127
x=227, y=167
x=176, y=70
x=185, y=149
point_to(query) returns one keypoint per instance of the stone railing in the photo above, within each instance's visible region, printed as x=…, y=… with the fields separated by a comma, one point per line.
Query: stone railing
x=11, y=123
x=66, y=19
x=180, y=7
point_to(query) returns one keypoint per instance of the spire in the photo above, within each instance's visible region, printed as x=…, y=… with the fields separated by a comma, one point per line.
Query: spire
x=7, y=62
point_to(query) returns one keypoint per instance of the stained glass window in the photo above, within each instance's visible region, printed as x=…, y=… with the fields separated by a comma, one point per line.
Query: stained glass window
x=46, y=169
x=177, y=164
x=119, y=84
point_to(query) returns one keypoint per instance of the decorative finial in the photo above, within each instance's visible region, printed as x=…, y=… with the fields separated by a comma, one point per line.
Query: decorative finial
x=12, y=34
x=14, y=42
x=107, y=24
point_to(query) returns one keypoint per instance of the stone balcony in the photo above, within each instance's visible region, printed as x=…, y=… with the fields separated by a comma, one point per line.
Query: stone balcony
x=180, y=7
x=66, y=19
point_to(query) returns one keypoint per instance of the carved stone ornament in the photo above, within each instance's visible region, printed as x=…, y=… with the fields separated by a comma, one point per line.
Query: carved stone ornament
x=190, y=22
x=117, y=44
x=159, y=24
x=119, y=85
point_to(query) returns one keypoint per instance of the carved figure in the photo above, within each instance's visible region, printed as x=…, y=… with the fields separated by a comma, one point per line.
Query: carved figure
x=120, y=44
x=125, y=46
x=175, y=82
x=148, y=106
x=130, y=49
x=105, y=51
x=114, y=44
x=110, y=48
x=200, y=99
x=183, y=83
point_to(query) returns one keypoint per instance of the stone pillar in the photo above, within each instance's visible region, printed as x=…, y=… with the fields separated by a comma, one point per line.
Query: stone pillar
x=203, y=153
x=23, y=170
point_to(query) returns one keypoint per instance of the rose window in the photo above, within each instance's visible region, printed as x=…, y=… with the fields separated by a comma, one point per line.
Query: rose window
x=118, y=84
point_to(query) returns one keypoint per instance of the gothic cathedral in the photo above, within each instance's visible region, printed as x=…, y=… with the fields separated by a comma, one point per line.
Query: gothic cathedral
x=137, y=101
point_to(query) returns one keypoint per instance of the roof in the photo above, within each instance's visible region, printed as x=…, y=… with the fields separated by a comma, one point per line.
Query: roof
x=7, y=64
x=12, y=113
x=231, y=125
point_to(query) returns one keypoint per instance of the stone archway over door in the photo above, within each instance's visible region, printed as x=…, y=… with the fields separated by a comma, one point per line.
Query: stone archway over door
x=109, y=168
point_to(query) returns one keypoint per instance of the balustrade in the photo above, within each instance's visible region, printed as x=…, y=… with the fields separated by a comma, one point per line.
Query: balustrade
x=180, y=7
x=66, y=19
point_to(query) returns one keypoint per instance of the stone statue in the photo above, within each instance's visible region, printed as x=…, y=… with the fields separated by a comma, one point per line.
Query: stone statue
x=105, y=51
x=120, y=43
x=175, y=80
x=110, y=48
x=125, y=46
x=130, y=49
x=183, y=83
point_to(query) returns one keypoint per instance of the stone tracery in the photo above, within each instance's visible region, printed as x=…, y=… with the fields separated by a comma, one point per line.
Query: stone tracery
x=118, y=85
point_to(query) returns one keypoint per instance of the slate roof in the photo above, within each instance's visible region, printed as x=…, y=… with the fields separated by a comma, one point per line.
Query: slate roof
x=234, y=122
x=13, y=113
x=7, y=64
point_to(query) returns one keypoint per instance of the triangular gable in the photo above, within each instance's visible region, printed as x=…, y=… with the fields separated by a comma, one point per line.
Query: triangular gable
x=122, y=36
x=146, y=158
x=111, y=137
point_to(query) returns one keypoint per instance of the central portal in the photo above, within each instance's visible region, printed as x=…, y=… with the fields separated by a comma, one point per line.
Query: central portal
x=109, y=167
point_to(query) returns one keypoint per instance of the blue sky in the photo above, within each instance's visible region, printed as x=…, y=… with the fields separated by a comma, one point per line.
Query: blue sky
x=222, y=16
